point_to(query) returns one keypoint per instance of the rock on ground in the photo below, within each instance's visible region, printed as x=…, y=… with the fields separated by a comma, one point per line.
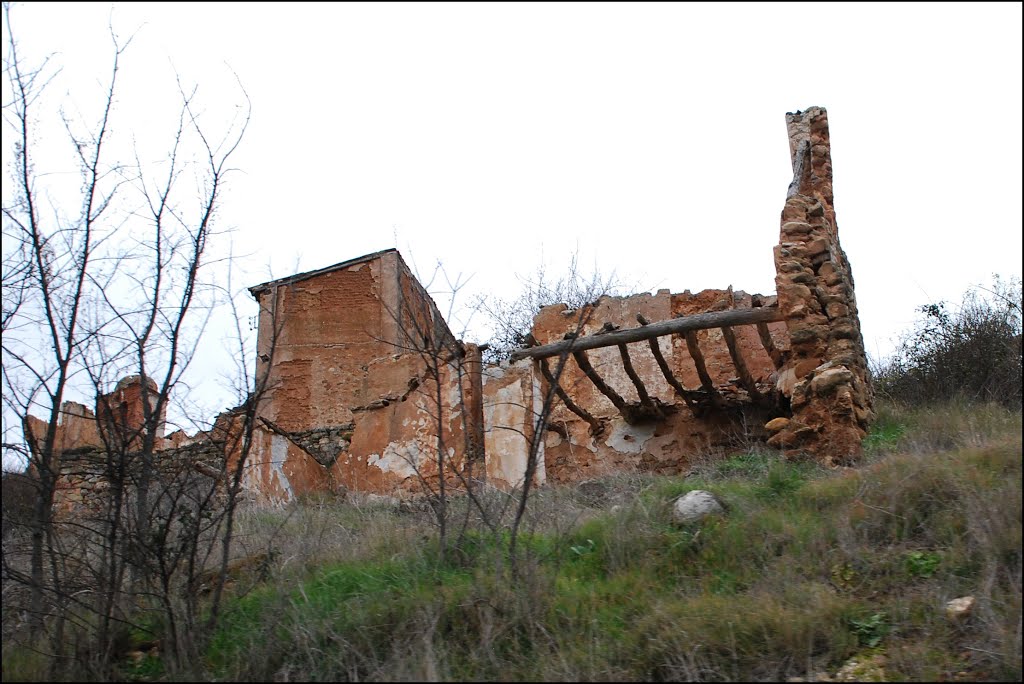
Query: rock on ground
x=696, y=505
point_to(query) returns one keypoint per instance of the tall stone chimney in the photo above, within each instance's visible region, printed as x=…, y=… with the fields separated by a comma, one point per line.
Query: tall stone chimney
x=826, y=376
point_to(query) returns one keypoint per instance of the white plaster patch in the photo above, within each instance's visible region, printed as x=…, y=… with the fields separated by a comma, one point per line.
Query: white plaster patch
x=400, y=458
x=629, y=439
x=278, y=455
x=454, y=391
x=552, y=439
x=538, y=405
x=504, y=417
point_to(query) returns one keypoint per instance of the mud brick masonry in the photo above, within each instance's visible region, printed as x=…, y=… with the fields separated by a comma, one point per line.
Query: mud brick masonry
x=366, y=382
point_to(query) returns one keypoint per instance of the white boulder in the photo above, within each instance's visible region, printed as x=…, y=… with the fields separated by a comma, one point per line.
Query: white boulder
x=696, y=505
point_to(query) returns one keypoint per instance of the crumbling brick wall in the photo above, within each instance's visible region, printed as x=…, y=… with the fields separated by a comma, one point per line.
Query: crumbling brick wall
x=572, y=449
x=85, y=441
x=360, y=349
x=366, y=385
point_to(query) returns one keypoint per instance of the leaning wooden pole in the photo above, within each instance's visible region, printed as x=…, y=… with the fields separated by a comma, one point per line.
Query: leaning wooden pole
x=627, y=364
x=702, y=321
x=741, y=366
x=584, y=363
x=702, y=372
x=665, y=370
x=769, y=345
x=595, y=424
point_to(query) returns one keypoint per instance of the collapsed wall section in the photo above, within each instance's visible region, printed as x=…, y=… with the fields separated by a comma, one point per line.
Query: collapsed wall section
x=91, y=446
x=665, y=438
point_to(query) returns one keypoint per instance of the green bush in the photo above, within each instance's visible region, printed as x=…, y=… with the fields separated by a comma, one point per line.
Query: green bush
x=922, y=563
x=972, y=353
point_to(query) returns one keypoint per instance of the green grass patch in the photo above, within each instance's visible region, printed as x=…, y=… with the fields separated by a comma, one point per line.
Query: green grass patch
x=807, y=569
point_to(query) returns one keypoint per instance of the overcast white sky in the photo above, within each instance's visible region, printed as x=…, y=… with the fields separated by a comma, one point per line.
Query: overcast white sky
x=649, y=138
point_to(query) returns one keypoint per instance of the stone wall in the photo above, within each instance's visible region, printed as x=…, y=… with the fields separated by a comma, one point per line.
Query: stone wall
x=85, y=477
x=826, y=375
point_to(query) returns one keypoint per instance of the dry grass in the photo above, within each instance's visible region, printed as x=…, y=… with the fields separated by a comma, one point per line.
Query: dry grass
x=808, y=569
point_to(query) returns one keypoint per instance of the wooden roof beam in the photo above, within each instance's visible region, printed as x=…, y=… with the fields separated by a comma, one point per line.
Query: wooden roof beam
x=682, y=325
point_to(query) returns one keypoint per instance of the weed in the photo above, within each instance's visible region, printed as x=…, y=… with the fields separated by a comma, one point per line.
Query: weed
x=582, y=549
x=921, y=563
x=844, y=576
x=870, y=629
x=885, y=433
x=782, y=480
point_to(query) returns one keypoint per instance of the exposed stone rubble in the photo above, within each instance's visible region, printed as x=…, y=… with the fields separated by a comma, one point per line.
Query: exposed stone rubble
x=959, y=609
x=325, y=444
x=826, y=375
x=368, y=389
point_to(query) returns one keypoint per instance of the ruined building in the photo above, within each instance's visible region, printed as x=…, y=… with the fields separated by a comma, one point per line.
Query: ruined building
x=365, y=385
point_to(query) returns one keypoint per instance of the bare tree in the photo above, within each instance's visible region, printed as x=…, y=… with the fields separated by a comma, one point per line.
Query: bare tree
x=49, y=255
x=445, y=362
x=424, y=333
x=581, y=294
x=511, y=320
x=87, y=302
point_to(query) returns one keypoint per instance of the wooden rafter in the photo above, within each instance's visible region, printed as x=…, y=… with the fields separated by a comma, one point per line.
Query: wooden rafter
x=746, y=380
x=682, y=325
x=665, y=370
x=706, y=383
x=584, y=363
x=769, y=345
x=627, y=364
x=595, y=424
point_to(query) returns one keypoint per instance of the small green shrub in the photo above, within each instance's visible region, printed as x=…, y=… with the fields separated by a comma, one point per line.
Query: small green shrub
x=782, y=480
x=886, y=431
x=870, y=629
x=750, y=464
x=921, y=563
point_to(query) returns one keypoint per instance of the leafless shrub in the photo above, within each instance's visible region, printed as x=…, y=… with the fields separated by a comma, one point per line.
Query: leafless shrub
x=511, y=320
x=972, y=353
x=84, y=305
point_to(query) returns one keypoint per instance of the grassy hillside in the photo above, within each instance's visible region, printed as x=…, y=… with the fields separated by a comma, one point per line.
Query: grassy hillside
x=810, y=575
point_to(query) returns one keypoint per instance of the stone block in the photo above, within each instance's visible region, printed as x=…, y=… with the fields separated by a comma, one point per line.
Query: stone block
x=829, y=380
x=816, y=246
x=794, y=228
x=837, y=310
